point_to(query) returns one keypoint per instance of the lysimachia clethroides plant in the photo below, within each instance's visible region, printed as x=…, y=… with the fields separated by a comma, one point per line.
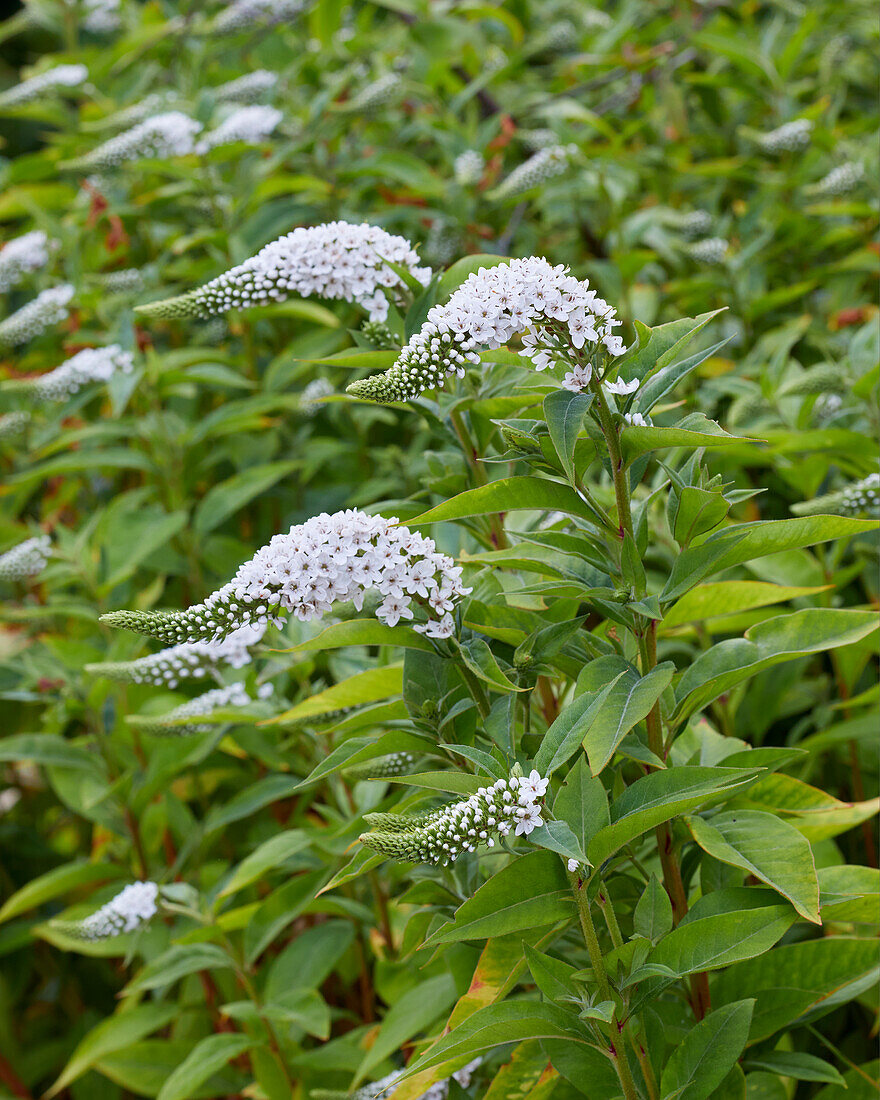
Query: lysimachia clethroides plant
x=631, y=882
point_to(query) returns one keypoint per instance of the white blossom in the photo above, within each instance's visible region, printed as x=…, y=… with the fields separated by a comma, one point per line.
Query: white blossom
x=336, y=261
x=712, y=250
x=88, y=365
x=468, y=167
x=310, y=398
x=862, y=497
x=128, y=280
x=101, y=16
x=23, y=255
x=441, y=836
x=620, y=388
x=27, y=559
x=695, y=223
x=62, y=76
x=328, y=559
x=540, y=167
x=789, y=137
x=558, y=313
x=637, y=420
x=210, y=702
x=839, y=181
x=377, y=94
x=260, y=13
x=14, y=424
x=48, y=308
x=171, y=134
x=249, y=124
x=247, y=88
x=573, y=865
x=127, y=912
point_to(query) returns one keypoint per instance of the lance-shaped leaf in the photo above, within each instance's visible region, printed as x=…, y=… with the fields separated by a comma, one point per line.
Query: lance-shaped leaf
x=509, y=494
x=630, y=699
x=699, y=1064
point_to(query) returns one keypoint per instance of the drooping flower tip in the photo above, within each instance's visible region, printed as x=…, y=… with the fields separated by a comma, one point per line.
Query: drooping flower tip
x=88, y=365
x=210, y=702
x=48, y=308
x=252, y=125
x=27, y=559
x=133, y=907
x=23, y=255
x=170, y=134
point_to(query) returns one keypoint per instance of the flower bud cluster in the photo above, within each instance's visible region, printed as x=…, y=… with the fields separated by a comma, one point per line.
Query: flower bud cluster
x=328, y=559
x=14, y=424
x=310, y=398
x=711, y=250
x=255, y=13
x=510, y=805
x=25, y=560
x=442, y=243
x=536, y=139
x=695, y=224
x=249, y=124
x=560, y=36
x=375, y=95
x=787, y=138
x=171, y=134
x=468, y=167
x=171, y=724
x=336, y=260
x=540, y=167
x=62, y=76
x=380, y=335
x=88, y=365
x=152, y=104
x=101, y=16
x=127, y=912
x=23, y=255
x=48, y=308
x=128, y=280
x=247, y=88
x=839, y=181
x=381, y=767
x=862, y=496
x=491, y=306
x=186, y=661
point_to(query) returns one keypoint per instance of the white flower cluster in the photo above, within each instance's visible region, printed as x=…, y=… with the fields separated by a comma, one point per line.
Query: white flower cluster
x=171, y=724
x=536, y=139
x=127, y=280
x=25, y=560
x=443, y=242
x=510, y=805
x=247, y=88
x=88, y=365
x=540, y=167
x=839, y=181
x=711, y=250
x=557, y=311
x=101, y=16
x=378, y=1090
x=248, y=13
x=378, y=94
x=827, y=406
x=336, y=260
x=328, y=559
x=62, y=76
x=48, y=308
x=381, y=767
x=468, y=167
x=695, y=224
x=561, y=35
x=186, y=661
x=787, y=138
x=14, y=424
x=152, y=104
x=310, y=398
x=127, y=912
x=863, y=496
x=171, y=134
x=23, y=255
x=249, y=124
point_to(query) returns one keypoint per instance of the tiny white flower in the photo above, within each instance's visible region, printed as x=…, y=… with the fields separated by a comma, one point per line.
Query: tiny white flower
x=620, y=388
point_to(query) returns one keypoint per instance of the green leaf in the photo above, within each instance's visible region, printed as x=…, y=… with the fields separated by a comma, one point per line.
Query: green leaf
x=272, y=852
x=279, y=909
x=551, y=976
x=582, y=803
x=364, y=687
x=361, y=632
x=509, y=494
x=60, y=880
x=709, y=943
x=627, y=703
x=813, y=630
x=530, y=892
x=115, y=1033
x=564, y=412
x=144, y=1067
x=454, y=782
x=694, y=432
x=849, y=893
x=557, y=836
x=709, y=601
x=178, y=961
x=767, y=847
x=206, y=1057
x=229, y=496
x=653, y=913
x=709, y=1051
x=659, y=797
x=565, y=736
x=795, y=1064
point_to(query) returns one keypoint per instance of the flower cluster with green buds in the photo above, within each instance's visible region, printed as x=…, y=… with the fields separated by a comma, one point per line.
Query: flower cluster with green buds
x=47, y=309
x=132, y=908
x=558, y=313
x=310, y=401
x=88, y=365
x=186, y=661
x=379, y=335
x=468, y=167
x=248, y=88
x=839, y=181
x=378, y=1090
x=381, y=767
x=27, y=559
x=211, y=702
x=379, y=93
x=509, y=806
x=542, y=166
x=251, y=125
x=171, y=134
x=695, y=224
x=328, y=559
x=128, y=280
x=14, y=424
x=861, y=498
x=336, y=260
x=711, y=250
x=788, y=138
x=242, y=14
x=21, y=256
x=101, y=16
x=62, y=76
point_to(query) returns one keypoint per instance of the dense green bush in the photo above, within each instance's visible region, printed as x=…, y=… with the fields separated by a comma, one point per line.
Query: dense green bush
x=534, y=755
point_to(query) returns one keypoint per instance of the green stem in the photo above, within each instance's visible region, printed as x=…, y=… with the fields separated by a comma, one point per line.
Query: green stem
x=618, y=472
x=476, y=689
x=579, y=889
x=478, y=473
x=610, y=916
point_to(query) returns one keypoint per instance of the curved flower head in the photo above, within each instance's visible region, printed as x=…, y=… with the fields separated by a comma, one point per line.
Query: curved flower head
x=27, y=559
x=247, y=88
x=540, y=167
x=88, y=365
x=861, y=498
x=62, y=76
x=171, y=724
x=241, y=14
x=171, y=134
x=186, y=661
x=787, y=138
x=23, y=255
x=337, y=260
x=14, y=424
x=509, y=805
x=328, y=559
x=132, y=908
x=251, y=124
x=48, y=308
x=557, y=312
x=381, y=767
